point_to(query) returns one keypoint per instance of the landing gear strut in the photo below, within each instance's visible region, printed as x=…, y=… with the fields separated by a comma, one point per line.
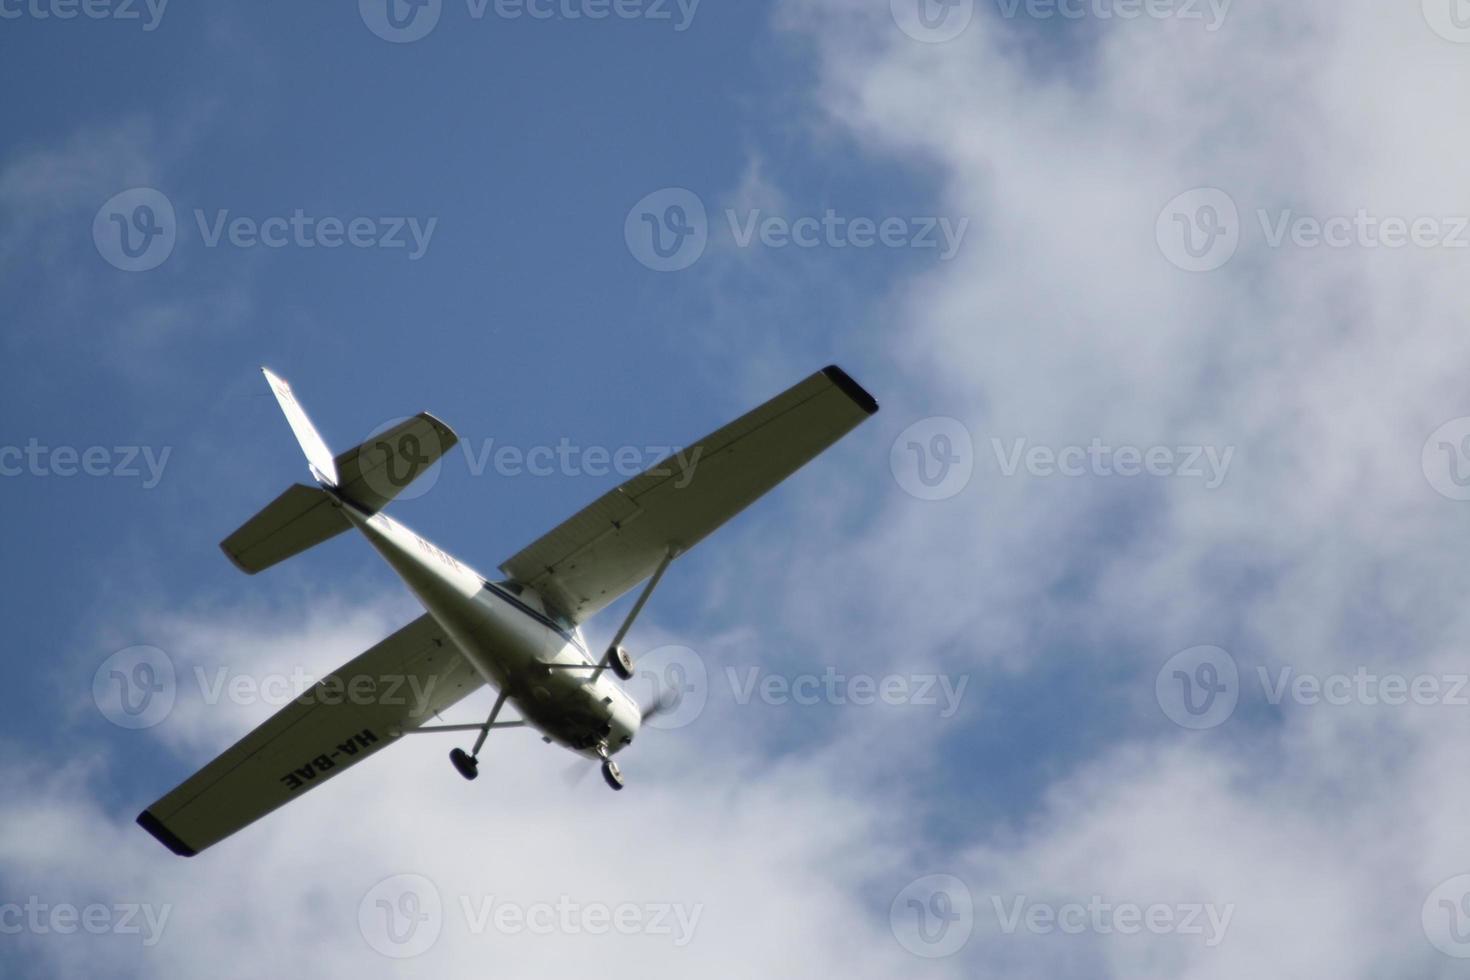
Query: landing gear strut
x=467, y=764
x=610, y=771
x=617, y=657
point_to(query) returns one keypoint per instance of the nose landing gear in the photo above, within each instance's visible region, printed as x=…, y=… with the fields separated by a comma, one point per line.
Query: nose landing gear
x=611, y=774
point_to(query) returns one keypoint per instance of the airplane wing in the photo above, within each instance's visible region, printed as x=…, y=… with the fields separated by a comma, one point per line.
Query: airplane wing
x=619, y=539
x=396, y=685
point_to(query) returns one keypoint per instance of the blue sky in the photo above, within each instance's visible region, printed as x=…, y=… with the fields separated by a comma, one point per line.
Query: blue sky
x=1172, y=442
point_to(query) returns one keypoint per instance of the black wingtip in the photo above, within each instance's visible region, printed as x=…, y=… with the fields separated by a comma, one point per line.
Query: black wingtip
x=163, y=835
x=851, y=388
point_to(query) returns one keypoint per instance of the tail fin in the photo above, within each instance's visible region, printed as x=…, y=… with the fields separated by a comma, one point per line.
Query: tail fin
x=367, y=476
x=317, y=454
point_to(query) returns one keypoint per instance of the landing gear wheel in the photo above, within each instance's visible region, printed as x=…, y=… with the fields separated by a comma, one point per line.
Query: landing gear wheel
x=464, y=763
x=621, y=662
x=612, y=774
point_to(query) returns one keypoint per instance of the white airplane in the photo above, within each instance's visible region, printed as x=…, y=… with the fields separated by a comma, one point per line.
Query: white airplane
x=522, y=634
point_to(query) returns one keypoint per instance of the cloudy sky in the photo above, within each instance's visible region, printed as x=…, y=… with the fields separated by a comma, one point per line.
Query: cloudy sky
x=1124, y=642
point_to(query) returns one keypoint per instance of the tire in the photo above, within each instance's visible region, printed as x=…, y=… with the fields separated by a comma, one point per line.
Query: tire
x=622, y=662
x=464, y=764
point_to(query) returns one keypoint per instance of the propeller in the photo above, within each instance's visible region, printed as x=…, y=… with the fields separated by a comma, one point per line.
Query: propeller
x=664, y=700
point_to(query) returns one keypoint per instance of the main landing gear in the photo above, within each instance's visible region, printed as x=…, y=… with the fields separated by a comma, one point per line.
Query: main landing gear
x=617, y=657
x=467, y=764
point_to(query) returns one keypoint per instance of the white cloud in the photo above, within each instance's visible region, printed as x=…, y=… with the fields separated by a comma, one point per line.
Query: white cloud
x=1326, y=548
x=1324, y=829
x=767, y=860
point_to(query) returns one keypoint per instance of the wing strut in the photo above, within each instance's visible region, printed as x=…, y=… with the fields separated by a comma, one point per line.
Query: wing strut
x=615, y=657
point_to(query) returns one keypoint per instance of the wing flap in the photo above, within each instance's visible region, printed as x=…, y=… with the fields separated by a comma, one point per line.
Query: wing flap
x=348, y=716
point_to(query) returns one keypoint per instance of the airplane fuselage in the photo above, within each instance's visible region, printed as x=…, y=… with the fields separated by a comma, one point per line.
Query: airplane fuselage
x=513, y=641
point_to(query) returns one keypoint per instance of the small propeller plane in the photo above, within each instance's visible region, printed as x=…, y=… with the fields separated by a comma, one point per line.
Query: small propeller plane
x=520, y=634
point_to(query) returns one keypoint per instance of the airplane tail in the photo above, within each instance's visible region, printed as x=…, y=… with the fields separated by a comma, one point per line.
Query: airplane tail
x=367, y=476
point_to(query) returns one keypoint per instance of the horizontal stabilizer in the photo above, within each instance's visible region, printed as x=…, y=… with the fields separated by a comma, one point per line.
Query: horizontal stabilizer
x=296, y=520
x=366, y=476
x=377, y=471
